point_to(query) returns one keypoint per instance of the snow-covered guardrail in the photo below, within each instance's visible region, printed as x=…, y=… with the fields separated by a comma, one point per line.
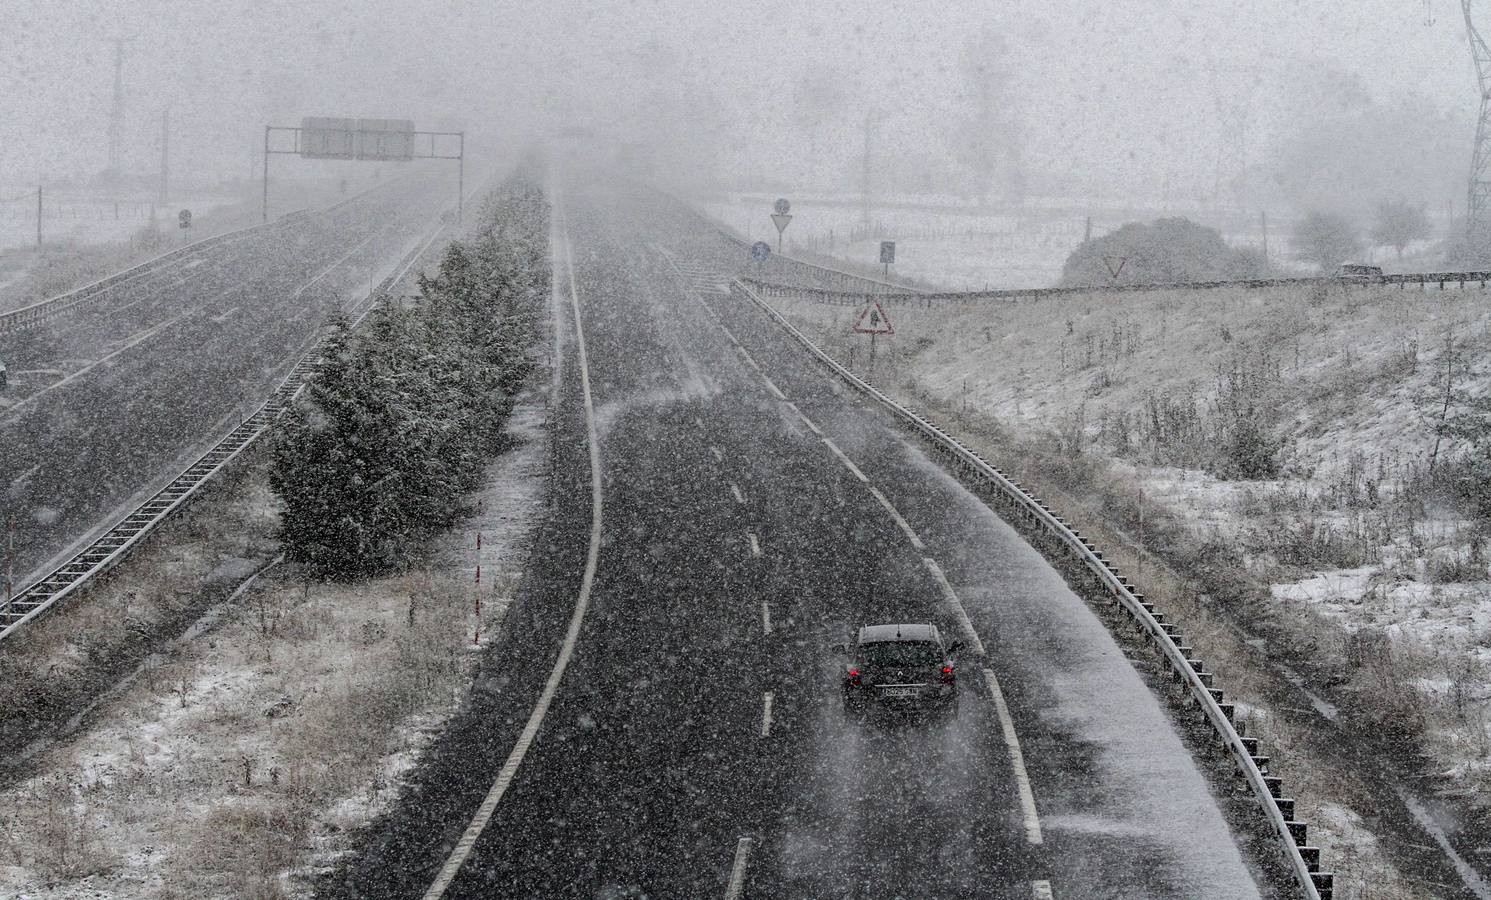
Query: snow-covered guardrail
x=106, y=551
x=842, y=297
x=1189, y=671
x=42, y=310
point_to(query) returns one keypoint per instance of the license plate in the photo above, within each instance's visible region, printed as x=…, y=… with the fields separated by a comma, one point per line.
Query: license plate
x=900, y=692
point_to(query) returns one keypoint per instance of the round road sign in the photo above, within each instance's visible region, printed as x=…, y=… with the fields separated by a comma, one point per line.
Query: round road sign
x=782, y=206
x=760, y=250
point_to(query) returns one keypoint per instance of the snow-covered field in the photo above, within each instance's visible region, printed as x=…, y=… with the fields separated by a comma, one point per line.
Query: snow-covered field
x=284, y=725
x=1352, y=379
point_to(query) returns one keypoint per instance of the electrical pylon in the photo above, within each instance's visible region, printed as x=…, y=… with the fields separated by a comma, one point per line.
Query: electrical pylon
x=1478, y=199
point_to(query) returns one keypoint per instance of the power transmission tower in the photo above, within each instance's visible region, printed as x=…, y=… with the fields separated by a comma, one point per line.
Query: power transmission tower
x=1479, y=194
x=116, y=115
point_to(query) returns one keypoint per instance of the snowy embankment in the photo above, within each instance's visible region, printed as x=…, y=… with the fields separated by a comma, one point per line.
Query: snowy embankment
x=245, y=756
x=1280, y=436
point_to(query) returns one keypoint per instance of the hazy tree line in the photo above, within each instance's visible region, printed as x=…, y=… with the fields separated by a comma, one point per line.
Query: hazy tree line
x=401, y=416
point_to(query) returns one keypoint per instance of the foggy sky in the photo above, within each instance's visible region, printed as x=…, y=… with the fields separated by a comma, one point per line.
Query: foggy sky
x=1123, y=94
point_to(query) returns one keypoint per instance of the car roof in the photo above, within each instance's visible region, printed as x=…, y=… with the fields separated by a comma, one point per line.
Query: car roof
x=875, y=634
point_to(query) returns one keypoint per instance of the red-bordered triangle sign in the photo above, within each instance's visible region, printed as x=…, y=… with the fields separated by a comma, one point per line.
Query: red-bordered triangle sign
x=878, y=321
x=1115, y=265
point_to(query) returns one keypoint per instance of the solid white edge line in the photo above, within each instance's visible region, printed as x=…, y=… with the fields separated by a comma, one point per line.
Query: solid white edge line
x=738, y=869
x=765, y=617
x=1041, y=890
x=772, y=385
x=766, y=700
x=901, y=521
x=846, y=461
x=718, y=456
x=755, y=544
x=805, y=420
x=1017, y=760
x=505, y=777
x=956, y=605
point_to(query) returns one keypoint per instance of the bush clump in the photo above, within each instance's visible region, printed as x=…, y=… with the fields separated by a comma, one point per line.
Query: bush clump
x=1166, y=250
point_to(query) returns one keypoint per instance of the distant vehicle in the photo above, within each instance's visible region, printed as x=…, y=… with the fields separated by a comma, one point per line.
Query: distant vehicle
x=900, y=669
x=1357, y=270
x=3, y=375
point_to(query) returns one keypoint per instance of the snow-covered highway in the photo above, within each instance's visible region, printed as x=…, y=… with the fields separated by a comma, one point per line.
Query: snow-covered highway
x=754, y=514
x=108, y=400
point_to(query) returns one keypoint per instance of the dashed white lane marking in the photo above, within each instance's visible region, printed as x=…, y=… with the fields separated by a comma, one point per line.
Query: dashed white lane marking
x=731, y=335
x=765, y=617
x=739, y=497
x=571, y=637
x=955, y=605
x=698, y=422
x=772, y=386
x=755, y=544
x=805, y=420
x=1041, y=890
x=1017, y=759
x=846, y=461
x=750, y=360
x=766, y=700
x=896, y=514
x=738, y=869
x=718, y=456
x=222, y=317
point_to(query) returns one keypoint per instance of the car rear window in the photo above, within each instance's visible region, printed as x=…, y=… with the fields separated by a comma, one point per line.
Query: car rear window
x=900, y=653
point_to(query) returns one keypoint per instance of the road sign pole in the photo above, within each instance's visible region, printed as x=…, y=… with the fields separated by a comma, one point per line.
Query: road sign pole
x=10, y=558
x=460, y=179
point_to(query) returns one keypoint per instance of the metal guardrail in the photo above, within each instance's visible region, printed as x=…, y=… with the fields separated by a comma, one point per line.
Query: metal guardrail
x=836, y=297
x=43, y=310
x=105, y=552
x=1189, y=671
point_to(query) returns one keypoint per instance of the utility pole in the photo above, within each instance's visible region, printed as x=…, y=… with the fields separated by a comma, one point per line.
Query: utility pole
x=265, y=216
x=165, y=156
x=1263, y=220
x=865, y=174
x=38, y=215
x=116, y=115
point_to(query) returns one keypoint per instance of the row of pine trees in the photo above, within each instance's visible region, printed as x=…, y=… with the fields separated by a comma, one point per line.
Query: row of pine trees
x=402, y=415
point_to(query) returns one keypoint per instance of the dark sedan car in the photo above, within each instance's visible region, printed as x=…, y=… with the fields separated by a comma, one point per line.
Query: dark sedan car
x=900, y=669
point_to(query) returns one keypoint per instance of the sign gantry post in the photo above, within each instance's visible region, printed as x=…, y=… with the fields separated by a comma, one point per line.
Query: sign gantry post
x=375, y=140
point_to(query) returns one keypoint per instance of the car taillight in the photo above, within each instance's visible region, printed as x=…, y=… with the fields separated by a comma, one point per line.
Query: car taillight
x=947, y=675
x=852, y=676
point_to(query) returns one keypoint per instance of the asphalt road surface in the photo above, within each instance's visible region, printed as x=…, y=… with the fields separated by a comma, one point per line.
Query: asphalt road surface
x=107, y=402
x=755, y=513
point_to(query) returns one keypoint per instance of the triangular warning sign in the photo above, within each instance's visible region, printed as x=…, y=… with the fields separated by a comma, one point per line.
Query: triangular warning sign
x=1115, y=264
x=781, y=220
x=873, y=320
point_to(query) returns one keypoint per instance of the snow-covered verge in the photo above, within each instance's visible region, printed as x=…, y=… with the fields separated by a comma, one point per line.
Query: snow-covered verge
x=1375, y=575
x=240, y=761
